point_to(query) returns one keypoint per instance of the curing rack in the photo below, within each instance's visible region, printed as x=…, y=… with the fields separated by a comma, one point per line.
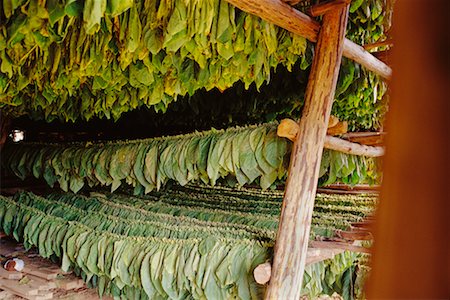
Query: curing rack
x=298, y=203
x=291, y=253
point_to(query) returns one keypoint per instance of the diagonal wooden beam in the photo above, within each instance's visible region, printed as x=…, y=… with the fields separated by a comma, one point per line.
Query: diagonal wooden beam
x=283, y=15
x=301, y=185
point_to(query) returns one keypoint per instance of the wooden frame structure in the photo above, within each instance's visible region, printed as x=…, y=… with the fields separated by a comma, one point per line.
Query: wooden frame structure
x=298, y=203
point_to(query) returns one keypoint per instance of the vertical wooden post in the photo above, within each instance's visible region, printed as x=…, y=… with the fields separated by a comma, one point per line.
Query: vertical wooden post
x=295, y=222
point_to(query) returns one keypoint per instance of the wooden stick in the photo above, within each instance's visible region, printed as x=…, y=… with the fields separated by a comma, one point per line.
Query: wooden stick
x=355, y=235
x=262, y=273
x=356, y=187
x=345, y=192
x=319, y=251
x=331, y=123
x=384, y=56
x=339, y=245
x=344, y=146
x=388, y=42
x=350, y=135
x=289, y=129
x=365, y=138
x=317, y=254
x=339, y=128
x=296, y=213
x=326, y=6
x=289, y=18
x=366, y=59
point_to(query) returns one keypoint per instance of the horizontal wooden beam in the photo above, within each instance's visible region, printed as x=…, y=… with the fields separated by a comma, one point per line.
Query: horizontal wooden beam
x=355, y=235
x=385, y=56
x=388, y=42
x=263, y=272
x=344, y=146
x=338, y=129
x=319, y=251
x=355, y=187
x=283, y=15
x=339, y=245
x=325, y=6
x=365, y=138
x=289, y=129
x=346, y=192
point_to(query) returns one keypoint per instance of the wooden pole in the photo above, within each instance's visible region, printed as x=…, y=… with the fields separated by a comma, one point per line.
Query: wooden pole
x=344, y=146
x=388, y=42
x=385, y=56
x=319, y=251
x=296, y=213
x=290, y=129
x=325, y=6
x=289, y=18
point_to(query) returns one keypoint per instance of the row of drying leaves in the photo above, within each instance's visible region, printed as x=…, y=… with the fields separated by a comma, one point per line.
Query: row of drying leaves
x=237, y=156
x=131, y=246
x=80, y=59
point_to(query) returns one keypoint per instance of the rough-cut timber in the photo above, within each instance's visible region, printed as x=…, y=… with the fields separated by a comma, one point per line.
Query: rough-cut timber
x=263, y=272
x=298, y=203
x=325, y=6
x=281, y=14
x=338, y=129
x=385, y=43
x=344, y=146
x=385, y=56
x=290, y=129
x=289, y=18
x=360, y=55
x=332, y=122
x=365, y=138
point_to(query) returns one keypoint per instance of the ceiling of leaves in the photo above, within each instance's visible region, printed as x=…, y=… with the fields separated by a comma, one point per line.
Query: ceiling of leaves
x=76, y=60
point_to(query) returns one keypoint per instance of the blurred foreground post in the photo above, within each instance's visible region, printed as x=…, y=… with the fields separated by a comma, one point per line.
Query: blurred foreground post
x=411, y=258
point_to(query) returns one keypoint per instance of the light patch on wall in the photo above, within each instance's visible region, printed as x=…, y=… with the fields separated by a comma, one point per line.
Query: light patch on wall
x=17, y=135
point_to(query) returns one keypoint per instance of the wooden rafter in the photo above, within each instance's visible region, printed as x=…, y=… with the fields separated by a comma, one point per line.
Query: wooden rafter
x=344, y=146
x=283, y=15
x=296, y=213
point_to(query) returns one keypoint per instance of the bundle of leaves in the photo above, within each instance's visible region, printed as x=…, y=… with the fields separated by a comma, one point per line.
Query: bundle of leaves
x=239, y=156
x=72, y=60
x=145, y=248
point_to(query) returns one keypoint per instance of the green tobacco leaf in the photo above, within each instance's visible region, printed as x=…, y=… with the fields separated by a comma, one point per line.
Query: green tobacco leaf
x=74, y=8
x=117, y=7
x=92, y=14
